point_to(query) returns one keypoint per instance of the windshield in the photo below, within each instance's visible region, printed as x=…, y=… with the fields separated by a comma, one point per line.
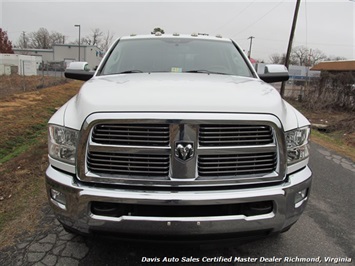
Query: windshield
x=176, y=55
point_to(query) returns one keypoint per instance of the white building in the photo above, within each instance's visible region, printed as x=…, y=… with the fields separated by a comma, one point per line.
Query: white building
x=66, y=53
x=45, y=54
x=20, y=64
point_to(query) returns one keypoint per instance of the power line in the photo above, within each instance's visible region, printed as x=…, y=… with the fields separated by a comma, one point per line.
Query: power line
x=235, y=16
x=250, y=25
x=304, y=43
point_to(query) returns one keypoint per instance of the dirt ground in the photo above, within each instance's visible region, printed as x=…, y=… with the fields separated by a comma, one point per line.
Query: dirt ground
x=336, y=124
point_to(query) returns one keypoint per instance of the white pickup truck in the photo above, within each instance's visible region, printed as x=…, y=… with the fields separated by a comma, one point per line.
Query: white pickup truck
x=176, y=136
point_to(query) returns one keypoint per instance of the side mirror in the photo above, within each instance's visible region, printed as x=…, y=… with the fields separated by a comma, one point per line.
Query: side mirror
x=79, y=71
x=274, y=73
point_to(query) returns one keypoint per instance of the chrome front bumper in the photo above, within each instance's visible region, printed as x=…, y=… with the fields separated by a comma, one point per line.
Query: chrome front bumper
x=76, y=213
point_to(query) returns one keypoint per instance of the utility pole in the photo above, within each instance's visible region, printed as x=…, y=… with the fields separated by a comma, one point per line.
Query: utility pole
x=289, y=48
x=24, y=39
x=79, y=40
x=251, y=42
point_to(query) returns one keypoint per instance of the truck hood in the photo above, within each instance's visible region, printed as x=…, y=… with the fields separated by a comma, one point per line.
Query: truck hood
x=176, y=92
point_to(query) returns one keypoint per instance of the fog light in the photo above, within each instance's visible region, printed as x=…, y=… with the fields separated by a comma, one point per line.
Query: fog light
x=300, y=196
x=58, y=196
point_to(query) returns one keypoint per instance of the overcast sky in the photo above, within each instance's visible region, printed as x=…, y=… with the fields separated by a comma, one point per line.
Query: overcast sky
x=325, y=25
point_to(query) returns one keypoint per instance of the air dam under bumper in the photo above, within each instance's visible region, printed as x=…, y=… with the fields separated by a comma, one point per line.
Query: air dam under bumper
x=76, y=213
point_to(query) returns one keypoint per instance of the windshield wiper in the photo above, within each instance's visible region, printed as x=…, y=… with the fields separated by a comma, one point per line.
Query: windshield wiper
x=205, y=71
x=129, y=72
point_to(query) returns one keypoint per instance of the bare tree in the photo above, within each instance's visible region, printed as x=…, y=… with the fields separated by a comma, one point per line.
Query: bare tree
x=23, y=41
x=56, y=37
x=95, y=38
x=307, y=57
x=334, y=58
x=39, y=39
x=84, y=41
x=316, y=56
x=281, y=59
x=275, y=59
x=96, y=35
x=301, y=54
x=106, y=42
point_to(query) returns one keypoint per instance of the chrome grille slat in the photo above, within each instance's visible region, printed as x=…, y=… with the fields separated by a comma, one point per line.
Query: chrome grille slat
x=237, y=165
x=121, y=161
x=113, y=158
x=235, y=157
x=235, y=135
x=232, y=136
x=131, y=172
x=230, y=132
x=131, y=134
x=245, y=162
x=231, y=127
x=144, y=127
x=128, y=165
x=232, y=173
x=233, y=142
x=131, y=141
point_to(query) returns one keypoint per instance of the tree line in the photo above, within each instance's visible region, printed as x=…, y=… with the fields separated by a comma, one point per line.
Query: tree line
x=303, y=56
x=43, y=39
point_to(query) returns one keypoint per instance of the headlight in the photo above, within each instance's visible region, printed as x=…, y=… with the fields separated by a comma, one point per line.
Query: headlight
x=297, y=144
x=62, y=143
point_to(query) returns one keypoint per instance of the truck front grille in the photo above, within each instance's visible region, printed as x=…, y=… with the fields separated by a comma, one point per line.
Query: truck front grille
x=235, y=135
x=132, y=134
x=205, y=150
x=128, y=164
x=237, y=164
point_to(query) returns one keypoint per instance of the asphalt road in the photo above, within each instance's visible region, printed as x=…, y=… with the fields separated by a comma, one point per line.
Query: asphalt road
x=324, y=232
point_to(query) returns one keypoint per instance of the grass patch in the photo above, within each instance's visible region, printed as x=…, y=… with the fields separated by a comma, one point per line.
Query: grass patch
x=16, y=151
x=23, y=156
x=33, y=187
x=339, y=135
x=334, y=141
x=19, y=144
x=20, y=209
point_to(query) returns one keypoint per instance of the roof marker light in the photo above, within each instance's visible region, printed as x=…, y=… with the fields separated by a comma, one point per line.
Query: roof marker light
x=176, y=34
x=194, y=34
x=218, y=36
